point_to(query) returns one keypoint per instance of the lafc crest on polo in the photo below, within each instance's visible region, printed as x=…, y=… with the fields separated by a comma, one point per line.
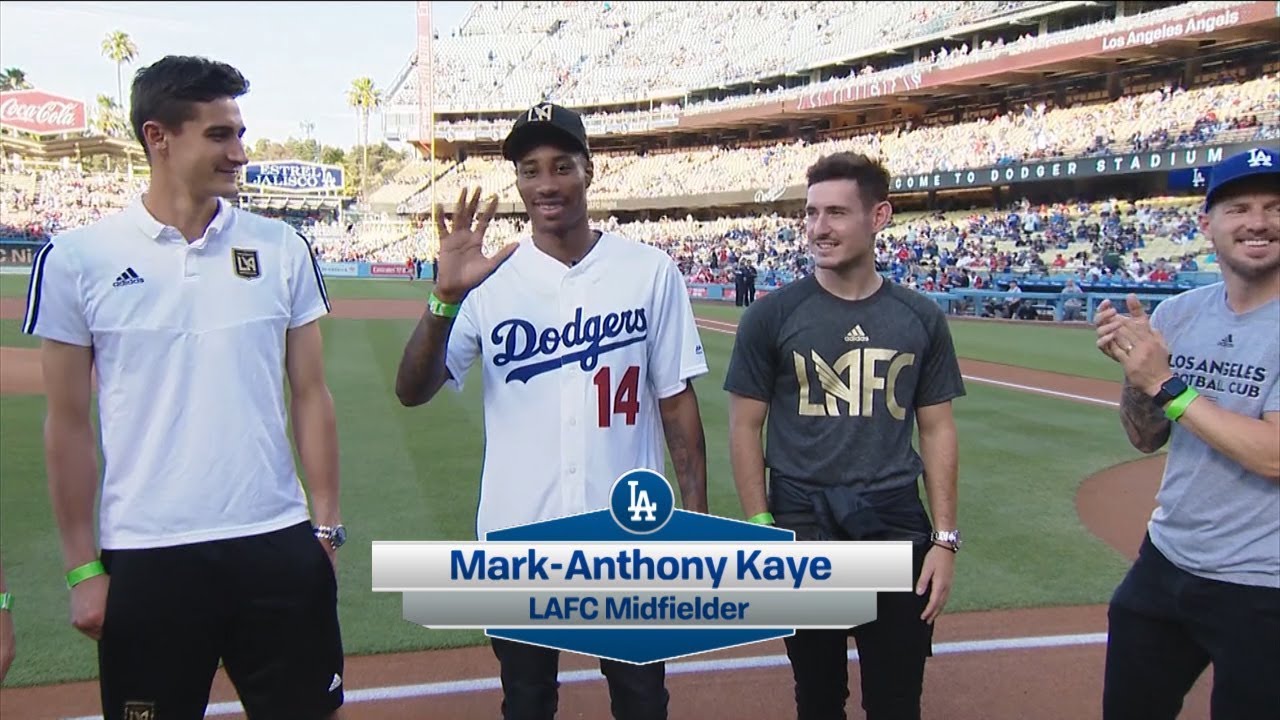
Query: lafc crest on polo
x=245, y=263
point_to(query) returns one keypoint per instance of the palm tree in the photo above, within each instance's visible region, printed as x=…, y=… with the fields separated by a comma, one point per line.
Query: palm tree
x=365, y=98
x=109, y=121
x=13, y=79
x=118, y=47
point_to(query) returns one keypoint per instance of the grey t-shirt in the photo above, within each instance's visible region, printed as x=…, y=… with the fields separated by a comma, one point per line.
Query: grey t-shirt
x=1213, y=517
x=843, y=380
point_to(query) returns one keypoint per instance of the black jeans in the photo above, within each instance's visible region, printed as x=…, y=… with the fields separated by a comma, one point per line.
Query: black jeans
x=530, y=690
x=1166, y=625
x=891, y=655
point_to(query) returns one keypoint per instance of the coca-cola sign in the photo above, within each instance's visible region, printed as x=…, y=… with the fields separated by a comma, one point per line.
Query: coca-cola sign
x=41, y=113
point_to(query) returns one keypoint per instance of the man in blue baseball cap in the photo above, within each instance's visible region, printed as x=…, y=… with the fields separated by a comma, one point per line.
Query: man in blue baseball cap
x=1201, y=376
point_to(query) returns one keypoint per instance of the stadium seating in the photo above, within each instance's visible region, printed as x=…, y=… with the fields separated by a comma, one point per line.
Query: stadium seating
x=508, y=55
x=1167, y=117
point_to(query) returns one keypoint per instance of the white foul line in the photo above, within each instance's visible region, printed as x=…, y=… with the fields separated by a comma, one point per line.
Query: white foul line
x=458, y=687
x=729, y=329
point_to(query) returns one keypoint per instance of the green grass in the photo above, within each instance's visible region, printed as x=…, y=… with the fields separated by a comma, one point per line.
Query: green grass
x=13, y=285
x=413, y=474
x=378, y=289
x=11, y=335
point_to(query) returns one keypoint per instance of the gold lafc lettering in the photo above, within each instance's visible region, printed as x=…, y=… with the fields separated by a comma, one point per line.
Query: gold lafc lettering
x=858, y=393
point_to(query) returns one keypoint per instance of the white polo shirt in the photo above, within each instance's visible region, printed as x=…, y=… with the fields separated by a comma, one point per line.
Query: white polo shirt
x=189, y=346
x=574, y=363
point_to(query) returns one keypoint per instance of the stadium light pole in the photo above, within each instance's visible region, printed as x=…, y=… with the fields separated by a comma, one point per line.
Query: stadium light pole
x=427, y=100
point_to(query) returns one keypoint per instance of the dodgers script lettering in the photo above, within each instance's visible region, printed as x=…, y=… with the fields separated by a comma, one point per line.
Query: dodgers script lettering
x=520, y=340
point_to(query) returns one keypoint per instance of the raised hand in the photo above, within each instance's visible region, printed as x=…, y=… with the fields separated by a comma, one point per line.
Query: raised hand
x=462, y=265
x=1109, y=321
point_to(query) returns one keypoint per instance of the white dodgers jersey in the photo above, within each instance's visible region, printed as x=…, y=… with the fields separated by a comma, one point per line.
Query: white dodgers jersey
x=575, y=360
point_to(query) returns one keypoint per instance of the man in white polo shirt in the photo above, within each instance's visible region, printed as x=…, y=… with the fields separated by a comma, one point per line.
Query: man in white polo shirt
x=192, y=311
x=588, y=347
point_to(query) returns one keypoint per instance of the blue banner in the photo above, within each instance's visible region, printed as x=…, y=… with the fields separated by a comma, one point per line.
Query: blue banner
x=294, y=175
x=640, y=581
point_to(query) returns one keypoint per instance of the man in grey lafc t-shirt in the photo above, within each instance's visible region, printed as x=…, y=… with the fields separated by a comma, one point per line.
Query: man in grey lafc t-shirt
x=844, y=365
x=1200, y=374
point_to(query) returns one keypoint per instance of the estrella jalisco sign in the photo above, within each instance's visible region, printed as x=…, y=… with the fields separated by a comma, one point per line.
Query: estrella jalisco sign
x=293, y=176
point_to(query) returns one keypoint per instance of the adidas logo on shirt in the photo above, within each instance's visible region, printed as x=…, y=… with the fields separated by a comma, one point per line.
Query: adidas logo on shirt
x=1226, y=342
x=128, y=277
x=856, y=335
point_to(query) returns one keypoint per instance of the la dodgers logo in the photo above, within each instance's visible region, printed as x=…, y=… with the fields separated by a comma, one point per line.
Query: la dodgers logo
x=520, y=340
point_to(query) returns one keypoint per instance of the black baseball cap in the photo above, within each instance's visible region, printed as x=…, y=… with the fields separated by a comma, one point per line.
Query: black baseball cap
x=545, y=122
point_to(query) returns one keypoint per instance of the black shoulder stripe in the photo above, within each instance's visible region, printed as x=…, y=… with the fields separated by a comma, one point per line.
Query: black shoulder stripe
x=315, y=268
x=35, y=288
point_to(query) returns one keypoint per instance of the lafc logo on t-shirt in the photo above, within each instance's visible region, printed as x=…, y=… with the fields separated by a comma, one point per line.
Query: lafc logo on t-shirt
x=853, y=380
x=139, y=711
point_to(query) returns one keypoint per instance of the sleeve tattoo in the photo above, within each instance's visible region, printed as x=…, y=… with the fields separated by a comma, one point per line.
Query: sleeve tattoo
x=1143, y=420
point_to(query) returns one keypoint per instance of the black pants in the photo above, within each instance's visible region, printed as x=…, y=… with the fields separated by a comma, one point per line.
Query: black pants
x=1165, y=627
x=530, y=690
x=265, y=605
x=891, y=656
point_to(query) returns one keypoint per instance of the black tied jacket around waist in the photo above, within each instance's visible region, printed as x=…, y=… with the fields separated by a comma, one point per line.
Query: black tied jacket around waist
x=846, y=512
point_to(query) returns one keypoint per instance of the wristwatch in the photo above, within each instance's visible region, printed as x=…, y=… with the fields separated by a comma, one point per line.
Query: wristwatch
x=336, y=535
x=1171, y=389
x=947, y=537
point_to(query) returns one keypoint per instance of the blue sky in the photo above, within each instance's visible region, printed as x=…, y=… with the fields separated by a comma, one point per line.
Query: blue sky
x=299, y=57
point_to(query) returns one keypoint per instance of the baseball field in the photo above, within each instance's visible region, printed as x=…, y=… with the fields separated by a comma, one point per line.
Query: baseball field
x=1048, y=527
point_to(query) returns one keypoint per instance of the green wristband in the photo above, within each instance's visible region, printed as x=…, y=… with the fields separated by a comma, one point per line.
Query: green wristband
x=84, y=572
x=6, y=601
x=1178, y=405
x=441, y=308
x=763, y=518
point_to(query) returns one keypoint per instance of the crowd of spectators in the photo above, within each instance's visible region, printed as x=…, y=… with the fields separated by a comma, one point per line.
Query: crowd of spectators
x=508, y=55
x=495, y=61
x=1145, y=241
x=37, y=204
x=1232, y=111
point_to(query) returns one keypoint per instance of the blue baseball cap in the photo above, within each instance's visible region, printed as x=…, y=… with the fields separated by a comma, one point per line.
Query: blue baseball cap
x=1254, y=162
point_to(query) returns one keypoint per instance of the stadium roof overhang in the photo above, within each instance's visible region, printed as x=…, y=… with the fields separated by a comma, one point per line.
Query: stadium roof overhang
x=294, y=202
x=70, y=147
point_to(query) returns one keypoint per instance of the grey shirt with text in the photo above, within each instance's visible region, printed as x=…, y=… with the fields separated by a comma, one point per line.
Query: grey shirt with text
x=1213, y=517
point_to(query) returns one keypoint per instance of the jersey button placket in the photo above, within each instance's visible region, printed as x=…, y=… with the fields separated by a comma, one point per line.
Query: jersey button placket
x=574, y=388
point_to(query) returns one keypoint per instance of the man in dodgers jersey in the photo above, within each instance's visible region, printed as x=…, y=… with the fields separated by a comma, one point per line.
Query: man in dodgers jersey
x=588, y=347
x=191, y=311
x=1200, y=375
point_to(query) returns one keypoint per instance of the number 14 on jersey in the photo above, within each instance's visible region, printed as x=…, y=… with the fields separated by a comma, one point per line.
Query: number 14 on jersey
x=624, y=401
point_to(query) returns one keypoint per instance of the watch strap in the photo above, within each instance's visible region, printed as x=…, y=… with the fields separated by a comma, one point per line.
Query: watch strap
x=1169, y=389
x=329, y=533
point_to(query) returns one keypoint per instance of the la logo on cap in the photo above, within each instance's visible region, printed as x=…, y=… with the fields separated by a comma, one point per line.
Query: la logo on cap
x=540, y=113
x=1259, y=158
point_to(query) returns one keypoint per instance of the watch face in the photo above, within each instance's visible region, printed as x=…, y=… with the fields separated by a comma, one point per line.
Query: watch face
x=339, y=536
